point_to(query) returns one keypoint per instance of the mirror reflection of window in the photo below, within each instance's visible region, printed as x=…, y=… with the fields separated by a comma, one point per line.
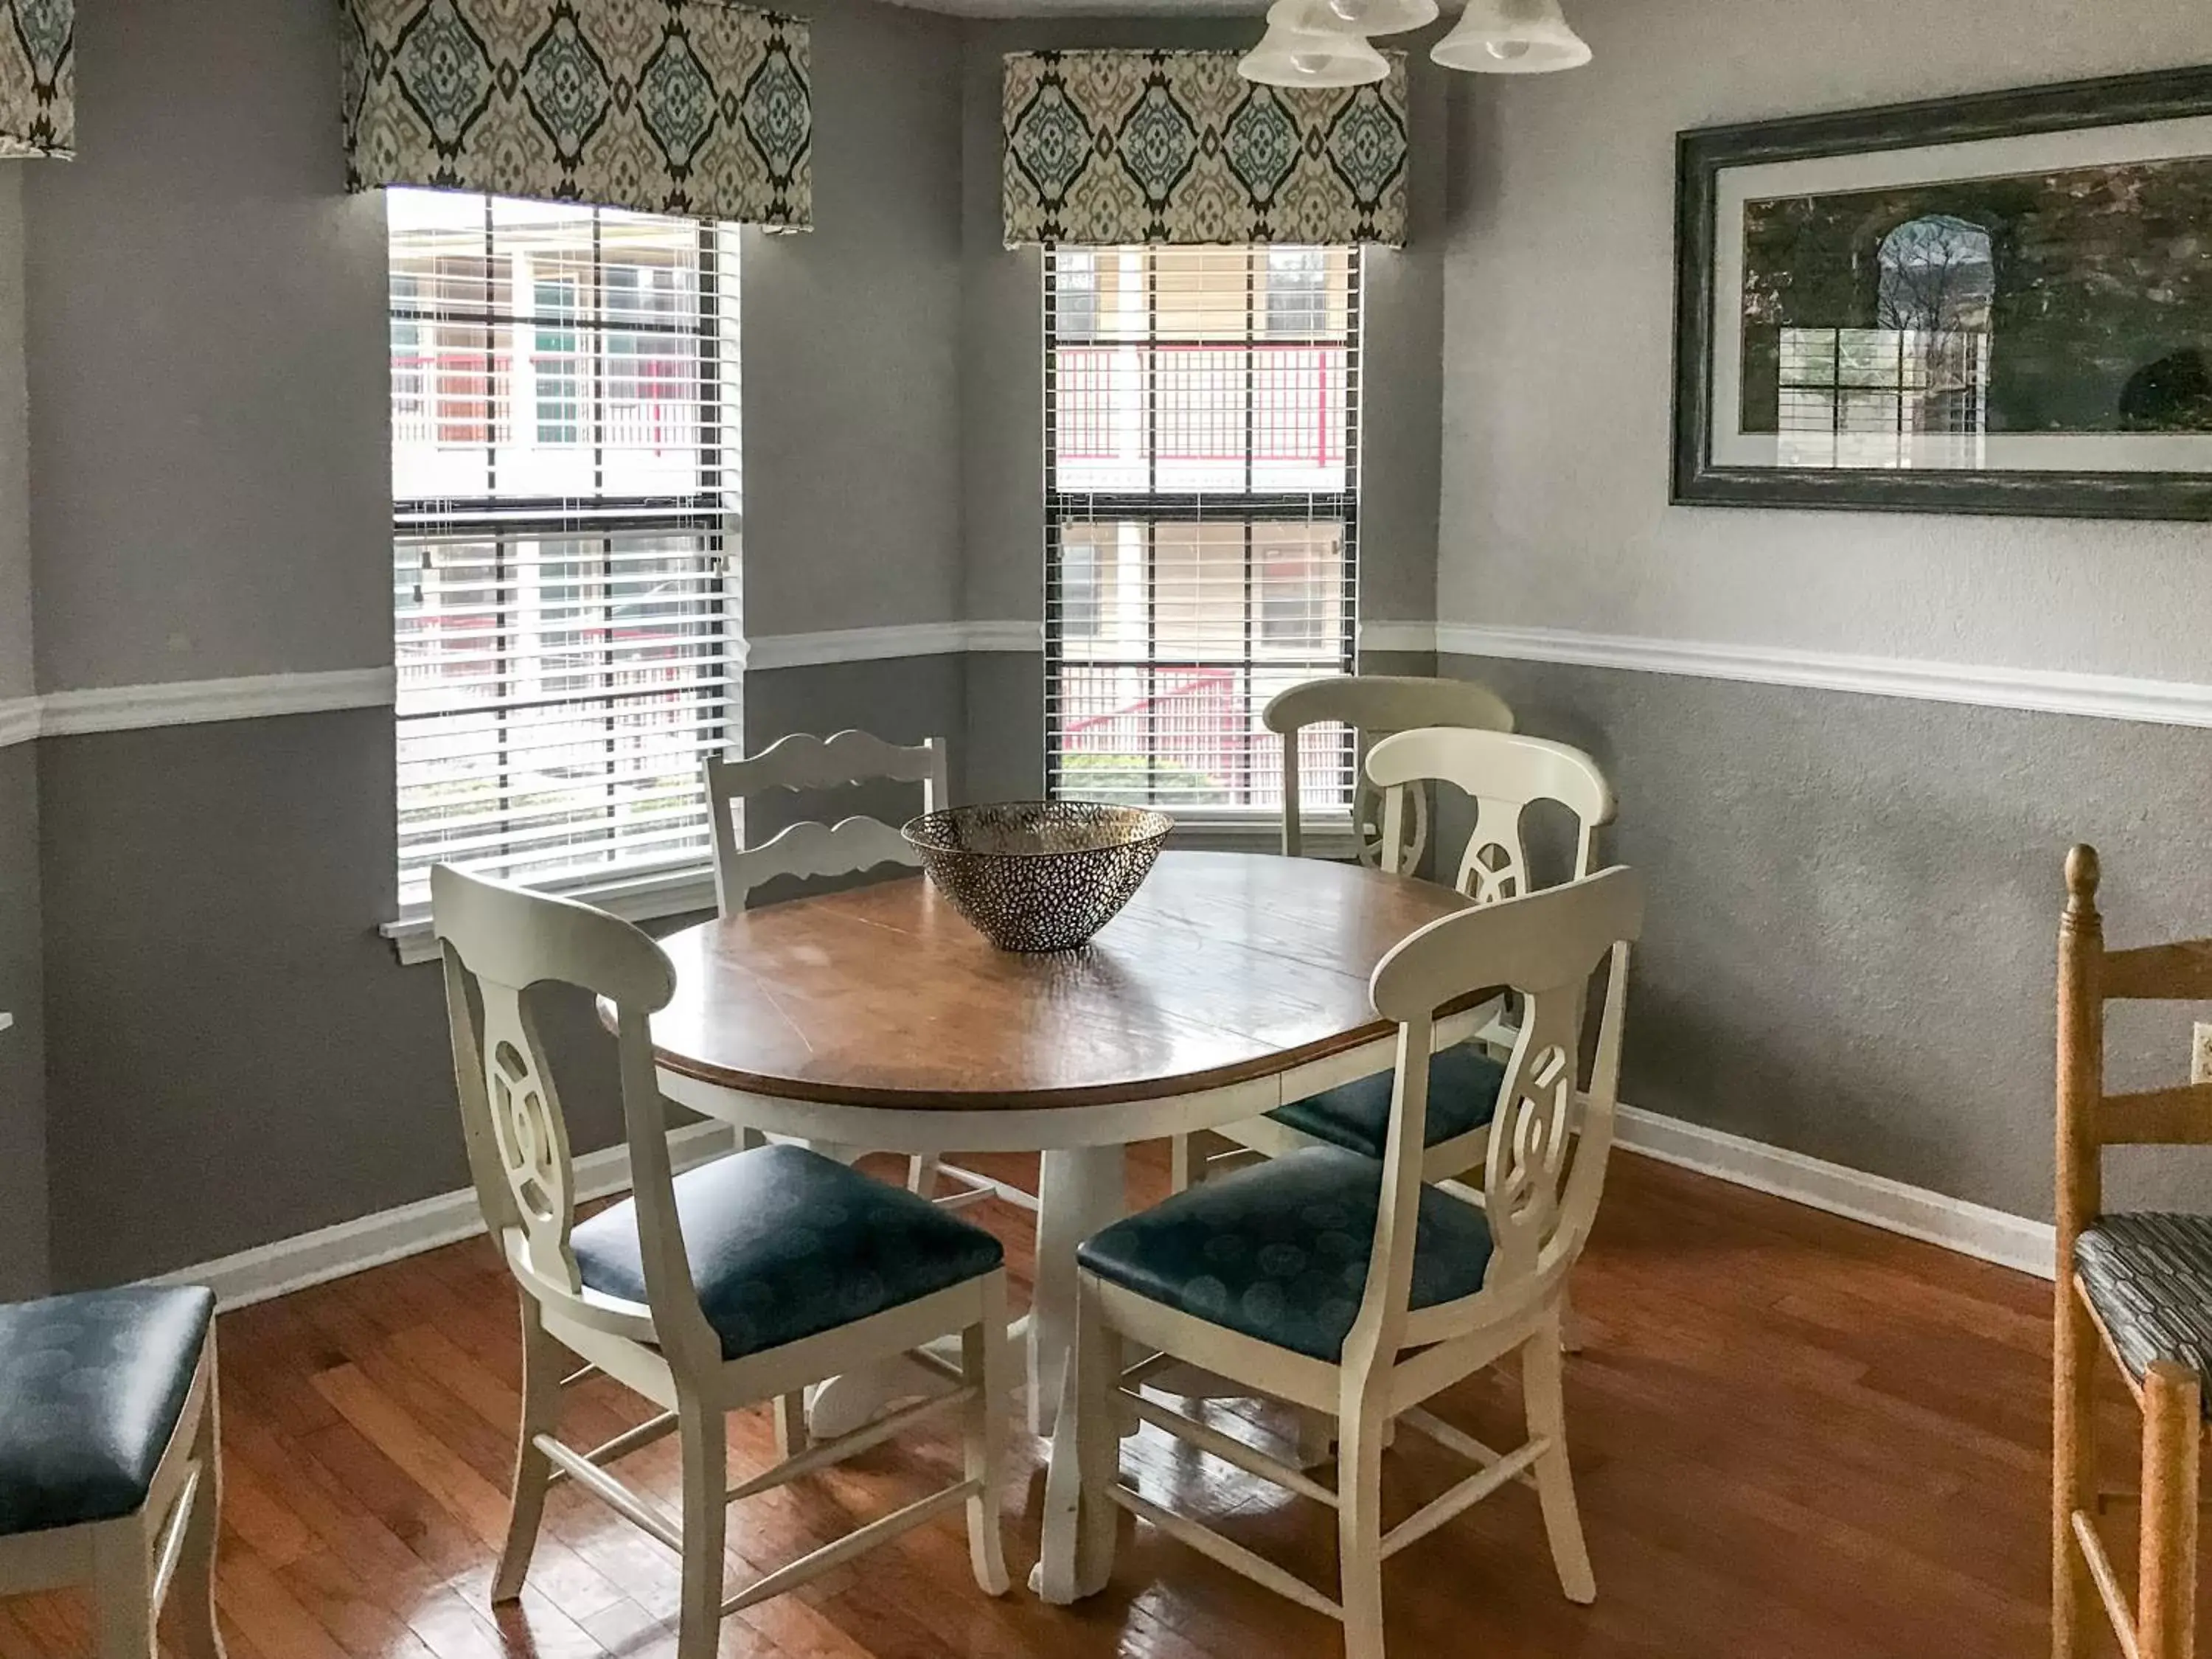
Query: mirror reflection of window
x=1913, y=391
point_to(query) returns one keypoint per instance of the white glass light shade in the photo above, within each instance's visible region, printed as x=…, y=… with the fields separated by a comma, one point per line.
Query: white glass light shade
x=1287, y=57
x=1512, y=37
x=1363, y=17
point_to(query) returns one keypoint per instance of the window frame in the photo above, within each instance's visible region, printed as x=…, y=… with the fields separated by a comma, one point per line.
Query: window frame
x=711, y=511
x=1153, y=506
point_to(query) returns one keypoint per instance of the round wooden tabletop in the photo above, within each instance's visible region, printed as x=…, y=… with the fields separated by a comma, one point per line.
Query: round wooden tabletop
x=1224, y=968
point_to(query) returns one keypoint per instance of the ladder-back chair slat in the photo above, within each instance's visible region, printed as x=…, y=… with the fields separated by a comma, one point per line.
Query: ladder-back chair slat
x=809, y=849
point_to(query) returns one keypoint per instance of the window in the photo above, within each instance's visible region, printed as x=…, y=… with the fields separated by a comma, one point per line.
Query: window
x=564, y=538
x=1201, y=491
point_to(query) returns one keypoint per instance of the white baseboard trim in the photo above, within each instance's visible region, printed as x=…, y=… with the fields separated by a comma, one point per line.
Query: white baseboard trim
x=1975, y=1230
x=370, y=1241
x=2048, y=691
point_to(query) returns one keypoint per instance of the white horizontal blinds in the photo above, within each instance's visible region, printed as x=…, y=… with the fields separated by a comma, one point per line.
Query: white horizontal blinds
x=1201, y=436
x=565, y=532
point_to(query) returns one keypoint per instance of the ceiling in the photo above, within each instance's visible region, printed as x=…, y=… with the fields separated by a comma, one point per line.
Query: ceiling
x=1090, y=8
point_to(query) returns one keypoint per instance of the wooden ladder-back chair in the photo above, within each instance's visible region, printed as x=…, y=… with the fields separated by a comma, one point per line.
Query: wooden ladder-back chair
x=1505, y=774
x=1372, y=706
x=739, y=1282
x=2138, y=1286
x=1481, y=1282
x=811, y=850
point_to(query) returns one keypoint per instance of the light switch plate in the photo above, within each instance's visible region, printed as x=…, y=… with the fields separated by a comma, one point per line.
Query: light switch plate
x=2200, y=1052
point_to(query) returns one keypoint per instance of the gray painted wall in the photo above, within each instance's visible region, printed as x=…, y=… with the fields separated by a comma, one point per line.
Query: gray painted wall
x=233, y=1056
x=1559, y=291
x=219, y=1001
x=207, y=358
x=1849, y=950
x=17, y=672
x=851, y=343
x=1854, y=898
x=23, y=1264
x=1002, y=334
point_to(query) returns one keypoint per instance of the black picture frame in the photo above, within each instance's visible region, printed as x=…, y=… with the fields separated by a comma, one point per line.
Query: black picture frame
x=1703, y=154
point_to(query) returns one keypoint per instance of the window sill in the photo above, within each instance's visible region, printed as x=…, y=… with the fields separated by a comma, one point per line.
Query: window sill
x=1260, y=832
x=642, y=898
x=663, y=894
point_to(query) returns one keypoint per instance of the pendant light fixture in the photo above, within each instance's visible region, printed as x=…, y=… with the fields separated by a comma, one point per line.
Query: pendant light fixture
x=1290, y=55
x=1512, y=37
x=1324, y=43
x=1363, y=17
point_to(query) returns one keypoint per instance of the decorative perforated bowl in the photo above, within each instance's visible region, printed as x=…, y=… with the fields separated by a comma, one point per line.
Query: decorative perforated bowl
x=1038, y=875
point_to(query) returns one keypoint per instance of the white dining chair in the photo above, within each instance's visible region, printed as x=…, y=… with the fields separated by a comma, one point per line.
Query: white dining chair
x=811, y=850
x=738, y=1282
x=1351, y=1288
x=1372, y=707
x=110, y=1463
x=1505, y=774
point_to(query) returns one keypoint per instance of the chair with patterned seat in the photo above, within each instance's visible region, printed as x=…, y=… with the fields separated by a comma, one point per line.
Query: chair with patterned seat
x=738, y=1282
x=2139, y=1286
x=1350, y=1287
x=1505, y=774
x=109, y=1466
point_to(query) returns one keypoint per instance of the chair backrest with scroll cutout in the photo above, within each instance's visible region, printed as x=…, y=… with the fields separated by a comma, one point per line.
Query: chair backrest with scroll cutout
x=500, y=943
x=1538, y=1198
x=804, y=850
x=1505, y=774
x=1373, y=706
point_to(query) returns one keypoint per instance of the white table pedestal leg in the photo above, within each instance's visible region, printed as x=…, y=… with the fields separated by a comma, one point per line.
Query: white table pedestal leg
x=1079, y=1192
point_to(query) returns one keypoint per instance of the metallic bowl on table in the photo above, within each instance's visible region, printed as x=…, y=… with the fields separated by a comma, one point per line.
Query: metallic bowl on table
x=1038, y=875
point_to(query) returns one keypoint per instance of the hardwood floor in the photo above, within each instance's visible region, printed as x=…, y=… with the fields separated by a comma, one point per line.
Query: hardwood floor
x=1792, y=1435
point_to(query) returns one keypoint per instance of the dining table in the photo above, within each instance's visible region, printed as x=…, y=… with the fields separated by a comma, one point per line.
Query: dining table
x=877, y=1018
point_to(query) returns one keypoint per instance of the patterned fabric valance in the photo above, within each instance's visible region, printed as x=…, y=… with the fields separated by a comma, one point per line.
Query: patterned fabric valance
x=1105, y=148
x=38, y=78
x=694, y=107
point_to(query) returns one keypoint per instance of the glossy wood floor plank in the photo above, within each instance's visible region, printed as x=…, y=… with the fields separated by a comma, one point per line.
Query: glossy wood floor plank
x=1793, y=1435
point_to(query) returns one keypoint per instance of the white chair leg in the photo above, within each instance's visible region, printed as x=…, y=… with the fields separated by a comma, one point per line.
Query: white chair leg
x=791, y=1436
x=1574, y=1330
x=921, y=1174
x=191, y=1590
x=1541, y=1374
x=984, y=1364
x=1077, y=1546
x=704, y=1438
x=1179, y=1163
x=123, y=1591
x=541, y=1412
x=1359, y=1430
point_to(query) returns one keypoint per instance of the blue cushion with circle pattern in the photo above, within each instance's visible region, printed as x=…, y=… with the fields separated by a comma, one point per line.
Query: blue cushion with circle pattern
x=1463, y=1085
x=2149, y=1279
x=91, y=1387
x=784, y=1244
x=1278, y=1250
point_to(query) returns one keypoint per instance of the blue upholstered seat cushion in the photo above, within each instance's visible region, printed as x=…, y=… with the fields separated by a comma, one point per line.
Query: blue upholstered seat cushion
x=1463, y=1085
x=91, y=1387
x=786, y=1244
x=1278, y=1250
x=2148, y=1278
